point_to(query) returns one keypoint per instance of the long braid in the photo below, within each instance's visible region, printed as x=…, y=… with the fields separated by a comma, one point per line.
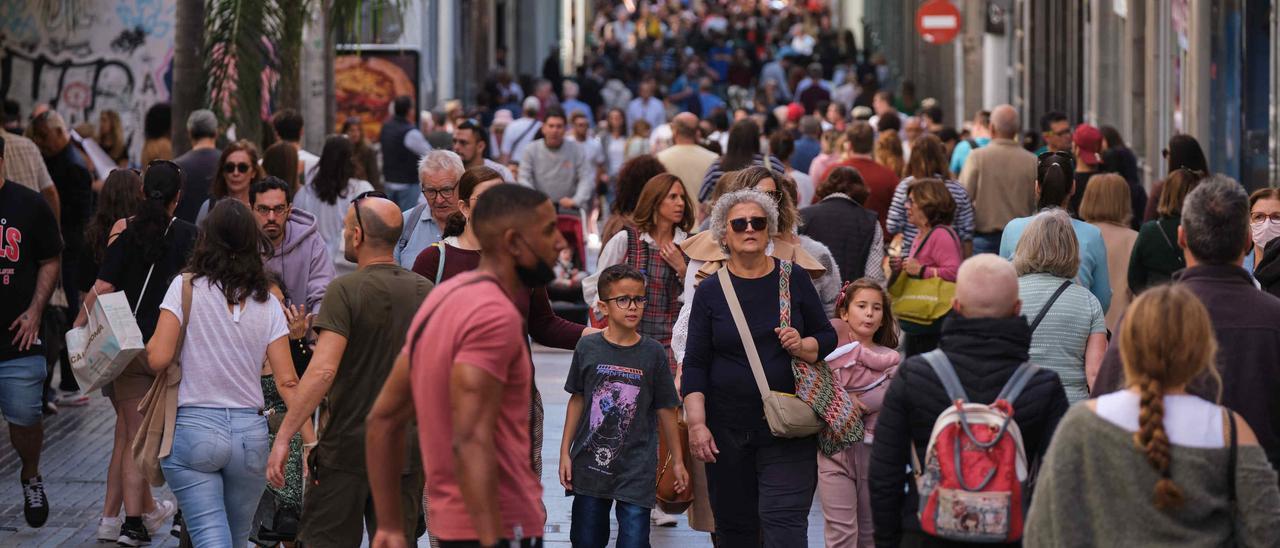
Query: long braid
x=1153, y=439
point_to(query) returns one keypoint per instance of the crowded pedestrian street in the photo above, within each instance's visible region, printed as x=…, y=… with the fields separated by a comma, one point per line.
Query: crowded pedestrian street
x=633, y=273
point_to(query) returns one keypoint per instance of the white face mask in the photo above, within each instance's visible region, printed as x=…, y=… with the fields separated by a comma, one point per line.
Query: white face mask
x=1264, y=232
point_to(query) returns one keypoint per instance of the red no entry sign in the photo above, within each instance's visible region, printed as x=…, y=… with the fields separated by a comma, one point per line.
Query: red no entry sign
x=938, y=22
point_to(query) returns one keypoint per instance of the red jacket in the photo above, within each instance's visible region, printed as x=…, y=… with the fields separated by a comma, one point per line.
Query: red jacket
x=880, y=180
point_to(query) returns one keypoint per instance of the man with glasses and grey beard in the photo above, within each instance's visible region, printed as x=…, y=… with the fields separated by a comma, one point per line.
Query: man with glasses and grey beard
x=362, y=324
x=471, y=142
x=438, y=174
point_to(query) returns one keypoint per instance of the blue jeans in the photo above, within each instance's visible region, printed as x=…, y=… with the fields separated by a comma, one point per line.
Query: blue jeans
x=987, y=243
x=404, y=195
x=589, y=527
x=217, y=470
x=22, y=389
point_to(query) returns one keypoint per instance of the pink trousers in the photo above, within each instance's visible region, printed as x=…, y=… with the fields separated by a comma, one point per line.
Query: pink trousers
x=846, y=497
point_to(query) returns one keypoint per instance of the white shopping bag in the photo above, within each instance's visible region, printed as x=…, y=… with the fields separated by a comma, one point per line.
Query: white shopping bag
x=101, y=349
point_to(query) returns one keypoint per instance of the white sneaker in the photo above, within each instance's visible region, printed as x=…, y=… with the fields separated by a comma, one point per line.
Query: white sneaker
x=662, y=519
x=109, y=529
x=159, y=518
x=74, y=398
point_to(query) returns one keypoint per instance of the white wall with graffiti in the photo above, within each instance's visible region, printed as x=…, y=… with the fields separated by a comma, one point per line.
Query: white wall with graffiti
x=86, y=56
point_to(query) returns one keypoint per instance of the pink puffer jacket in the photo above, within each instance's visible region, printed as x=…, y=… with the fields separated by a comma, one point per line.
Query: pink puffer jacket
x=865, y=373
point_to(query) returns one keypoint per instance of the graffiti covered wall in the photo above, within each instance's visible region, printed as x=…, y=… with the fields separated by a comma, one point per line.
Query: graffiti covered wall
x=86, y=56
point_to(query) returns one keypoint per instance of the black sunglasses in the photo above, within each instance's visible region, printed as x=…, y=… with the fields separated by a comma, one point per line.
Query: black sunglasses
x=740, y=225
x=160, y=162
x=356, y=202
x=234, y=167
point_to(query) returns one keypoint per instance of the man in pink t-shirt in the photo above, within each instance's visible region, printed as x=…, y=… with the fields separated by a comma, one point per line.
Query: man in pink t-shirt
x=466, y=375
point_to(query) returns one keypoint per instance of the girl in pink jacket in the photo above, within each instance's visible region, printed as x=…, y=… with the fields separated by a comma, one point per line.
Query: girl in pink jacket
x=864, y=364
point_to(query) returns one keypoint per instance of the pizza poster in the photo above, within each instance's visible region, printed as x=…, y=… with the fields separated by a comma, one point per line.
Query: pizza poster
x=368, y=81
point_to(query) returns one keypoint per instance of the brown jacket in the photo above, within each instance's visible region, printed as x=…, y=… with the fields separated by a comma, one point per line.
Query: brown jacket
x=1001, y=181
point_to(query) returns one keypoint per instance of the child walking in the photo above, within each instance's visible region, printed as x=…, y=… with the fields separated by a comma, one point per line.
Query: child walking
x=864, y=366
x=622, y=383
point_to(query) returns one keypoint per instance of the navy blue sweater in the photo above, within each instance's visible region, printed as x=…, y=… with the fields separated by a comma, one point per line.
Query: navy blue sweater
x=715, y=361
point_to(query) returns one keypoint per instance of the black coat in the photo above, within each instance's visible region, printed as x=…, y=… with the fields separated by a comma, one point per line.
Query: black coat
x=846, y=228
x=1267, y=271
x=985, y=353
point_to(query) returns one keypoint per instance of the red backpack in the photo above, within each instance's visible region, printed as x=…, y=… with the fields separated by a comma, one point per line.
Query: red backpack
x=971, y=486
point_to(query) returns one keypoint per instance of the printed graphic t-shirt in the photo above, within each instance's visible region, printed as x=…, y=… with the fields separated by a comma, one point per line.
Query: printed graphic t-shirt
x=29, y=235
x=615, y=451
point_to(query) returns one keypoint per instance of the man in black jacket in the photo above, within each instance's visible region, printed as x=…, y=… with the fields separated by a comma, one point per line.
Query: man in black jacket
x=1215, y=236
x=986, y=339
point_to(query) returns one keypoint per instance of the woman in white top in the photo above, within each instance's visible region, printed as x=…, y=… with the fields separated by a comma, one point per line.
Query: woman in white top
x=217, y=467
x=326, y=196
x=1152, y=465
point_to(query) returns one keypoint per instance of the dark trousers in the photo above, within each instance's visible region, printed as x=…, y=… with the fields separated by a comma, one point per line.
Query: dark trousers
x=761, y=487
x=590, y=524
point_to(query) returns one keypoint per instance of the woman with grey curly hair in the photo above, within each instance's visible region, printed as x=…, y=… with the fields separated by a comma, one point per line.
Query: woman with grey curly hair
x=750, y=472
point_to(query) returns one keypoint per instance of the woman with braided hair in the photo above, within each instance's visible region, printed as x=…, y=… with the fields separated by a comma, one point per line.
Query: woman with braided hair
x=1198, y=477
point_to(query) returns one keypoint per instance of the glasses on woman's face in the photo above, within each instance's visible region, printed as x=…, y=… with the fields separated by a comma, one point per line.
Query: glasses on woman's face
x=356, y=202
x=1259, y=217
x=625, y=301
x=756, y=223
x=232, y=167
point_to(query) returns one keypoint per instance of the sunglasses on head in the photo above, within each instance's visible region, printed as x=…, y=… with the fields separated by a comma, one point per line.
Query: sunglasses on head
x=160, y=162
x=740, y=225
x=234, y=167
x=356, y=202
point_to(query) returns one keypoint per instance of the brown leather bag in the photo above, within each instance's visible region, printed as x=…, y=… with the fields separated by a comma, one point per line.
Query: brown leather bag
x=669, y=500
x=159, y=407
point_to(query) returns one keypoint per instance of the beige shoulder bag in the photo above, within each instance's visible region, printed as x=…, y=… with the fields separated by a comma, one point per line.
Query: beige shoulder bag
x=787, y=415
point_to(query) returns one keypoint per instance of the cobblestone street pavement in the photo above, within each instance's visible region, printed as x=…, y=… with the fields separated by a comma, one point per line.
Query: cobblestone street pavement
x=78, y=448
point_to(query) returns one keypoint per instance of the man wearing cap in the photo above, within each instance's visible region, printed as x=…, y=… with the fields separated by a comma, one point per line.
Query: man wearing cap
x=520, y=132
x=402, y=145
x=199, y=164
x=1087, y=144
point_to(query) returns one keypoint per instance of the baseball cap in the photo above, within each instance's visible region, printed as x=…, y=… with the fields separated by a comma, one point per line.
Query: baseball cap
x=1088, y=141
x=795, y=111
x=531, y=103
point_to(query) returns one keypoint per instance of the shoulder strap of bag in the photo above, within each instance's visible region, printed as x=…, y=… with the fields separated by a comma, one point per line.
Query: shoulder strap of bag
x=973, y=144
x=923, y=241
x=1177, y=251
x=440, y=263
x=533, y=126
x=414, y=218
x=1231, y=459
x=748, y=344
x=784, y=294
x=946, y=374
x=1014, y=387
x=1047, y=305
x=147, y=281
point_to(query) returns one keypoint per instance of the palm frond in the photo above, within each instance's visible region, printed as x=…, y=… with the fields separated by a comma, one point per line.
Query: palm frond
x=240, y=48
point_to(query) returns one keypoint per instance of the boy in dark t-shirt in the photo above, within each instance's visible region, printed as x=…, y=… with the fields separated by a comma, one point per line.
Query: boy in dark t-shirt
x=621, y=382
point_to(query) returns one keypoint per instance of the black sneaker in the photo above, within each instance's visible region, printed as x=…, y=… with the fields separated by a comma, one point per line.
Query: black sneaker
x=35, y=505
x=133, y=534
x=176, y=530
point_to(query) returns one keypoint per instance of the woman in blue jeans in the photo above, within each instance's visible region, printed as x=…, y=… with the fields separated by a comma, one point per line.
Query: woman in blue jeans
x=217, y=468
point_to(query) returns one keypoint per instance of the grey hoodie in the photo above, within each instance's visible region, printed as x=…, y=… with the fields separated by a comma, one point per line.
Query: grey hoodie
x=302, y=261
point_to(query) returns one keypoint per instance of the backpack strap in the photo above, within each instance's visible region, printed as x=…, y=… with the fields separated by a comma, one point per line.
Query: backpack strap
x=1231, y=461
x=1021, y=376
x=440, y=263
x=946, y=374
x=415, y=216
x=1049, y=304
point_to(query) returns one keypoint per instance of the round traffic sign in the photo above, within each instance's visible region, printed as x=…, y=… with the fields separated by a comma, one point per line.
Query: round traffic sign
x=938, y=22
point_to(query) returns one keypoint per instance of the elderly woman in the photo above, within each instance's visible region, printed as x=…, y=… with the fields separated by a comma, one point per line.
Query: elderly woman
x=1107, y=204
x=1068, y=325
x=761, y=486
